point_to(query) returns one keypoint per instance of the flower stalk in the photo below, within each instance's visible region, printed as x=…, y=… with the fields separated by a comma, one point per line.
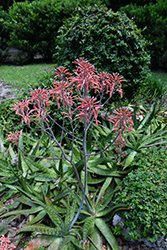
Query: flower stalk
x=74, y=95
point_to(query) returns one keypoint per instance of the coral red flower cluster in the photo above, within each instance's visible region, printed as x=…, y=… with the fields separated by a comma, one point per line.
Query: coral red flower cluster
x=5, y=243
x=88, y=107
x=122, y=121
x=82, y=104
x=86, y=75
x=111, y=83
x=35, y=106
x=62, y=92
x=14, y=137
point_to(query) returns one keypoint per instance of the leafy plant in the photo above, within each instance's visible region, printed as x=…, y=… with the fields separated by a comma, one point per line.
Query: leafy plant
x=29, y=182
x=72, y=151
x=152, y=20
x=149, y=131
x=145, y=190
x=111, y=41
x=8, y=119
x=4, y=35
x=33, y=26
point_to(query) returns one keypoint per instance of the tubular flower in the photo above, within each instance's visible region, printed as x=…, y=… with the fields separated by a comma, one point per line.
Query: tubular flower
x=5, y=243
x=88, y=107
x=22, y=109
x=61, y=72
x=40, y=99
x=85, y=75
x=116, y=79
x=105, y=82
x=62, y=92
x=14, y=137
x=122, y=119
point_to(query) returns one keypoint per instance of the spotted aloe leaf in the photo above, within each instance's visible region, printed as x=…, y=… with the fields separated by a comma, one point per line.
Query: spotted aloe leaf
x=106, y=232
x=88, y=226
x=41, y=229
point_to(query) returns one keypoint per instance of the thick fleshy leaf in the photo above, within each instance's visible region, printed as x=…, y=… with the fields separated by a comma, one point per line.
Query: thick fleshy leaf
x=78, y=244
x=62, y=243
x=148, y=118
x=103, y=188
x=41, y=229
x=56, y=242
x=40, y=216
x=70, y=212
x=105, y=172
x=95, y=180
x=88, y=226
x=107, y=234
x=95, y=240
x=25, y=211
x=51, y=211
x=48, y=171
x=109, y=212
x=129, y=159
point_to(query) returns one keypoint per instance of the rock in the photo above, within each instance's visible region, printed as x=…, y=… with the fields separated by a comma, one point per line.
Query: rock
x=6, y=91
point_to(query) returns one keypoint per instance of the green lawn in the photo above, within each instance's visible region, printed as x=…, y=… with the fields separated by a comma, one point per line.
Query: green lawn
x=160, y=77
x=21, y=76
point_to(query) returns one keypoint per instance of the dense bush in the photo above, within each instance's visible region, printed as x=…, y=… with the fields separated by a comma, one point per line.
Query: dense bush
x=152, y=18
x=145, y=189
x=34, y=25
x=115, y=4
x=4, y=35
x=109, y=40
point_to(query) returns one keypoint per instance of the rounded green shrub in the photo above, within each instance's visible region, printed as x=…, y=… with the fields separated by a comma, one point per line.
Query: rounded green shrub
x=152, y=19
x=145, y=190
x=110, y=41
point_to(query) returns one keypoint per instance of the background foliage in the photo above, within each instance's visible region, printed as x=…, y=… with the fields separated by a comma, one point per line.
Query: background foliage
x=33, y=28
x=152, y=19
x=4, y=35
x=145, y=189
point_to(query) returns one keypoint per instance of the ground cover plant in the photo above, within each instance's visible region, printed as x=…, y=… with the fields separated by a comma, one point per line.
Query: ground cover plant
x=145, y=190
x=83, y=217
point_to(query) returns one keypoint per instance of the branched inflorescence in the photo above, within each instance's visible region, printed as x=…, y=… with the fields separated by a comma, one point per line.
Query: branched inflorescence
x=80, y=97
x=5, y=243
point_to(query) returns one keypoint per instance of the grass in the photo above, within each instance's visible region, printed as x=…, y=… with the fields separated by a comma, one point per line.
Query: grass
x=160, y=76
x=21, y=76
x=157, y=84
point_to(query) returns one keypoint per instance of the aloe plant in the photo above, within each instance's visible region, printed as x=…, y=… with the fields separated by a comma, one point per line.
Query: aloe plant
x=74, y=157
x=148, y=132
